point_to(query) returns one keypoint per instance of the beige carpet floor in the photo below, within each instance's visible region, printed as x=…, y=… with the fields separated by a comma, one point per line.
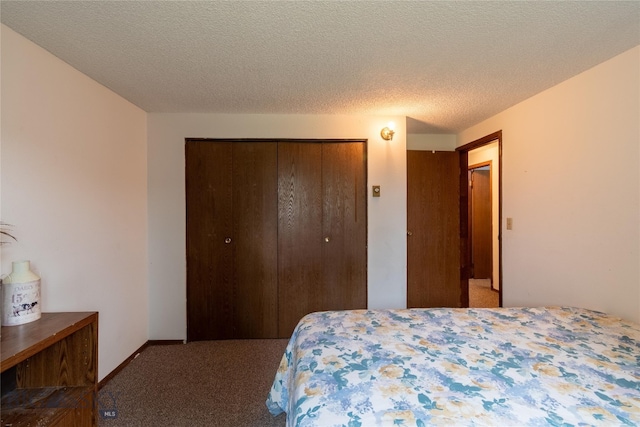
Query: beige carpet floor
x=205, y=383
x=481, y=295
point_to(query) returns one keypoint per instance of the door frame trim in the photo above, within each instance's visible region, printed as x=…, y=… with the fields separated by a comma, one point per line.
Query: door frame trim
x=465, y=248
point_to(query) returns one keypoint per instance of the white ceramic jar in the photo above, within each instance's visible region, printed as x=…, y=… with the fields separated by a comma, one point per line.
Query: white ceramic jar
x=20, y=295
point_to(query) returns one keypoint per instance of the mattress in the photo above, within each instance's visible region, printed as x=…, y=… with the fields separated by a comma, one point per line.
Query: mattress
x=498, y=367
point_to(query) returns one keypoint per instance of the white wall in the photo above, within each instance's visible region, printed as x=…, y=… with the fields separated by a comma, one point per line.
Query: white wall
x=73, y=173
x=571, y=183
x=166, y=196
x=483, y=154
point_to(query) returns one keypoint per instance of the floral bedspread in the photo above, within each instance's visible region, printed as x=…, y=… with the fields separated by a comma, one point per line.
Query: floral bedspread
x=555, y=366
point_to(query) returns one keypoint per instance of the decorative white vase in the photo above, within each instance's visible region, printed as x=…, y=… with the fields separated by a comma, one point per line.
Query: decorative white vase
x=20, y=295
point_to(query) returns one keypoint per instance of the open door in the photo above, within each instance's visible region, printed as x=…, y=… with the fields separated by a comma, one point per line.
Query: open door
x=433, y=222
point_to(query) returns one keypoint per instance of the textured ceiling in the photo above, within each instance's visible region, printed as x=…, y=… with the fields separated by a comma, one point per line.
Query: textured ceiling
x=446, y=65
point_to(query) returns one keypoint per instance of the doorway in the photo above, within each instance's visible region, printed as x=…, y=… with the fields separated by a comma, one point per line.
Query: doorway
x=482, y=154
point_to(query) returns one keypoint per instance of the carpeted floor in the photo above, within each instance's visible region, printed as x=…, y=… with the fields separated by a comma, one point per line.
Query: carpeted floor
x=206, y=383
x=481, y=295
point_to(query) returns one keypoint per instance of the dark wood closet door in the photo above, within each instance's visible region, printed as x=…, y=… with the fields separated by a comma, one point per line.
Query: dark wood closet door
x=433, y=224
x=231, y=240
x=210, y=283
x=344, y=224
x=300, y=239
x=255, y=239
x=322, y=232
x=274, y=231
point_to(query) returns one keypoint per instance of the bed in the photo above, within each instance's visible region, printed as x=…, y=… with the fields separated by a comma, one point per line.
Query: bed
x=555, y=366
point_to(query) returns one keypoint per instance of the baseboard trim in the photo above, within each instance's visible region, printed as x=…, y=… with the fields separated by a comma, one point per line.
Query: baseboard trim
x=135, y=354
x=164, y=342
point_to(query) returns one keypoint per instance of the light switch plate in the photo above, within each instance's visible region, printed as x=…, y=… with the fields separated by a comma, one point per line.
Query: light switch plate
x=376, y=191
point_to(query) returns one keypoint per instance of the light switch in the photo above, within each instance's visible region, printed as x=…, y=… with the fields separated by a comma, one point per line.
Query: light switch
x=376, y=191
x=509, y=223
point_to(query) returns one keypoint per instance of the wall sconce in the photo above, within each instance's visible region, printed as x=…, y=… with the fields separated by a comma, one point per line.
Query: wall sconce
x=387, y=132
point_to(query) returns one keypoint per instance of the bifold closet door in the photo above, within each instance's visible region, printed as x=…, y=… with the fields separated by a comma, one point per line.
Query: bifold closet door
x=231, y=207
x=209, y=209
x=344, y=216
x=321, y=229
x=300, y=284
x=255, y=239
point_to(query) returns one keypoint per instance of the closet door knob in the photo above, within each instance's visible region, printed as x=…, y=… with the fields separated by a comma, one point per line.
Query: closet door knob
x=326, y=239
x=409, y=233
x=227, y=240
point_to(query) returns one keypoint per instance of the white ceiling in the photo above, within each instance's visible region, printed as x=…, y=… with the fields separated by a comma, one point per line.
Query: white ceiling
x=447, y=65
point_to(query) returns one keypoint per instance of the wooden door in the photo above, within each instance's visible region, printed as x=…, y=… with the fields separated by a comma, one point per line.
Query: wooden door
x=480, y=216
x=275, y=230
x=255, y=239
x=344, y=226
x=433, y=223
x=300, y=285
x=231, y=206
x=321, y=229
x=209, y=210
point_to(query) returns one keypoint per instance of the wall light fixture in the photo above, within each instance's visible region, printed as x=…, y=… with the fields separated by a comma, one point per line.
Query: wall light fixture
x=387, y=132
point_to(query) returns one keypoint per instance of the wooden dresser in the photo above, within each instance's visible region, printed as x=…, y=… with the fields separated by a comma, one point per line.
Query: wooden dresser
x=50, y=371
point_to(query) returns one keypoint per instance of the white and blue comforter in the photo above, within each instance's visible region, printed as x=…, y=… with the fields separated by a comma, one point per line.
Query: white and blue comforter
x=499, y=367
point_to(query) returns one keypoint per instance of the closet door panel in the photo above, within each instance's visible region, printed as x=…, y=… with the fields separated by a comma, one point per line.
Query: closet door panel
x=344, y=226
x=210, y=302
x=300, y=237
x=255, y=239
